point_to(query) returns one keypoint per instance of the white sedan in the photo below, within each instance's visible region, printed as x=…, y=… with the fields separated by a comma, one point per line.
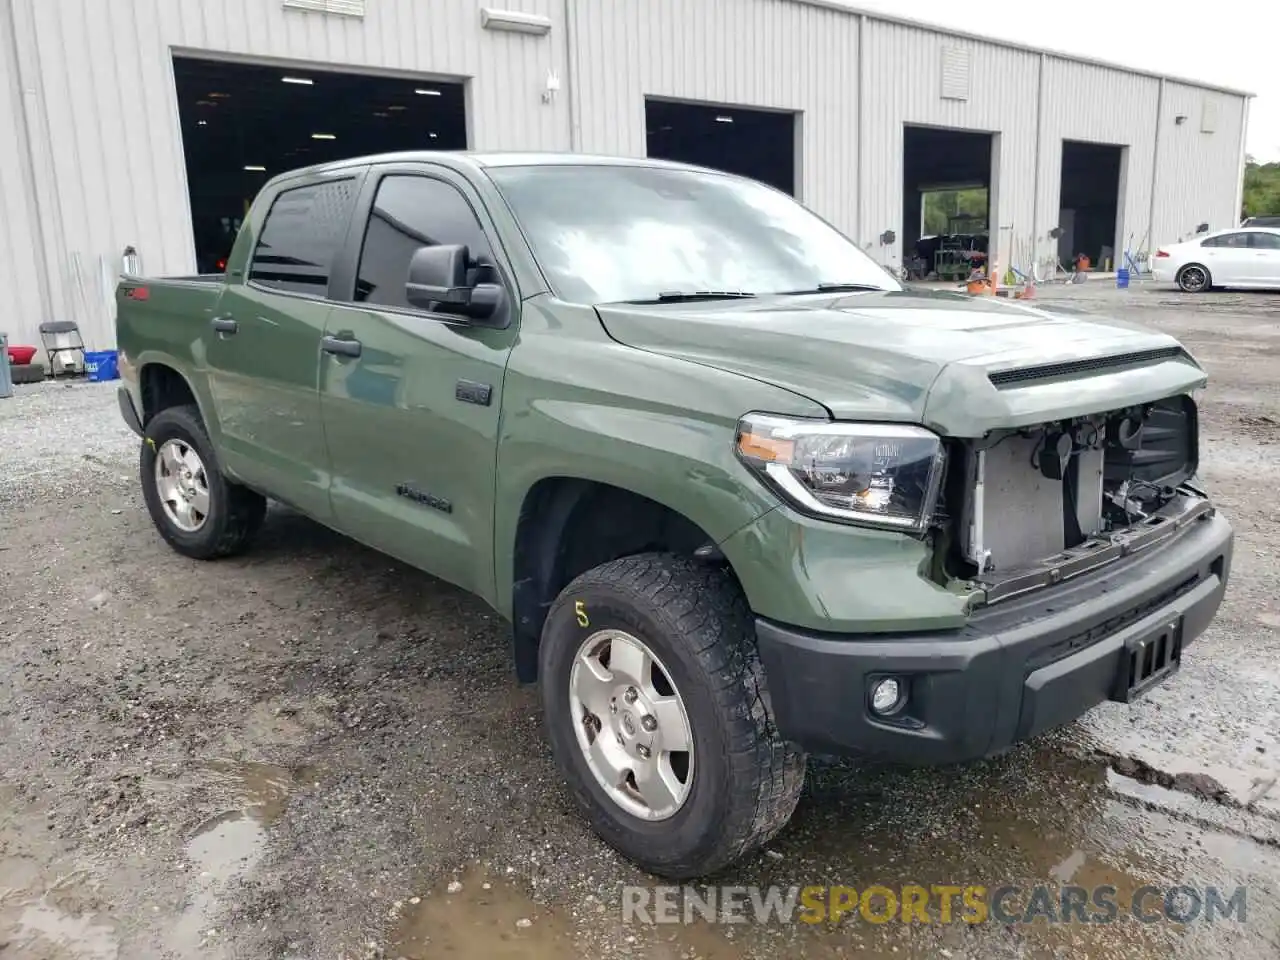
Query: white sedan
x=1240, y=257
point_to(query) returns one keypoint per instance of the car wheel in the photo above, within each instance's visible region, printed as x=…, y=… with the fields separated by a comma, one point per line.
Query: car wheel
x=659, y=717
x=1194, y=278
x=196, y=509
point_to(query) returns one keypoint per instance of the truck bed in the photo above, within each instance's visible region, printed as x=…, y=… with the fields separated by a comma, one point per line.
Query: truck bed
x=164, y=317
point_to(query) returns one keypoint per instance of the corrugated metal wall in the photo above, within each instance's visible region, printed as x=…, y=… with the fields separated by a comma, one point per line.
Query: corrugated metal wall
x=904, y=65
x=92, y=81
x=1192, y=185
x=20, y=260
x=1094, y=104
x=764, y=53
x=108, y=142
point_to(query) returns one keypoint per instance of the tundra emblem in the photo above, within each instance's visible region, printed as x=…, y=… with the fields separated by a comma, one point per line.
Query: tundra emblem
x=424, y=498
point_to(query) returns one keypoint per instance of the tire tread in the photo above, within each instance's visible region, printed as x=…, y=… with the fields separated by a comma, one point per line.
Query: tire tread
x=711, y=615
x=243, y=509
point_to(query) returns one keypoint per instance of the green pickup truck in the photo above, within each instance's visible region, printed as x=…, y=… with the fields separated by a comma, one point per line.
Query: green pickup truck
x=739, y=493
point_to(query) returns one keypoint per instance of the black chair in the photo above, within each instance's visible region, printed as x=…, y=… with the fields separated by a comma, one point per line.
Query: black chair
x=62, y=336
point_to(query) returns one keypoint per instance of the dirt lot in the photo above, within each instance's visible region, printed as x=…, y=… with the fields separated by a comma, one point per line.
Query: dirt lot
x=314, y=752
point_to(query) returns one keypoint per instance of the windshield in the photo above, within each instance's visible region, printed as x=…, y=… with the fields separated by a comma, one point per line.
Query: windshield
x=608, y=233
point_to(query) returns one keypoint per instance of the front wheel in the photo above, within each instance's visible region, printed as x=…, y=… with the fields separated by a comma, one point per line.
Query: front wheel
x=197, y=510
x=1194, y=278
x=659, y=717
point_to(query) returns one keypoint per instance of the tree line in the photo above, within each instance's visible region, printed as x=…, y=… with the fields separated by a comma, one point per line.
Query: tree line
x=1261, y=188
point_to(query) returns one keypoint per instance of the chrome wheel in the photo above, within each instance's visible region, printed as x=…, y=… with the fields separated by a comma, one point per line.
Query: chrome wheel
x=1193, y=279
x=631, y=725
x=182, y=485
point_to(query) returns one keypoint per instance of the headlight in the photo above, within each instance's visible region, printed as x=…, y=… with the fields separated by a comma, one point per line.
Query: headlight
x=881, y=474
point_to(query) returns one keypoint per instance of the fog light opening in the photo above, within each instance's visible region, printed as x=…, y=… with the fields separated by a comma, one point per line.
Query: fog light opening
x=887, y=696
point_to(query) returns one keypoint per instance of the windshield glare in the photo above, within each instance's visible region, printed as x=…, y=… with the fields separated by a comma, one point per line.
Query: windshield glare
x=608, y=233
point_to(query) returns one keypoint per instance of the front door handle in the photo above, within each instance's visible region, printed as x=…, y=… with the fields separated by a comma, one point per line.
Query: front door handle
x=342, y=348
x=225, y=325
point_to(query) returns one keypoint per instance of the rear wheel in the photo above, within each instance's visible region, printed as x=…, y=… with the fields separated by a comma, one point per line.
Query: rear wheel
x=1194, y=278
x=659, y=718
x=196, y=509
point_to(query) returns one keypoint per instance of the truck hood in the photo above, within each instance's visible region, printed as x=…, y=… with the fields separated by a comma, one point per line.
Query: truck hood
x=957, y=364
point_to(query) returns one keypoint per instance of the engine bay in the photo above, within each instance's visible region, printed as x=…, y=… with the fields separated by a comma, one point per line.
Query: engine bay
x=1033, y=500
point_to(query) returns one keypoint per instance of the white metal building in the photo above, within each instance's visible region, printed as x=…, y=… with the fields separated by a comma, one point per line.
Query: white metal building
x=99, y=148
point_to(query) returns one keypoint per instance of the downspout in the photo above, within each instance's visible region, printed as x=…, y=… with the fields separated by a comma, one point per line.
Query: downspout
x=1035, y=196
x=28, y=160
x=1155, y=167
x=1238, y=209
x=860, y=210
x=570, y=75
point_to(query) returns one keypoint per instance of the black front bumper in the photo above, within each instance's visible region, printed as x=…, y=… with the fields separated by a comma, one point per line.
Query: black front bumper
x=1013, y=671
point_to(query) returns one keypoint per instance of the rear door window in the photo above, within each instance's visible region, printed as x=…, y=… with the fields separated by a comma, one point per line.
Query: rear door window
x=1265, y=241
x=410, y=212
x=302, y=237
x=1236, y=240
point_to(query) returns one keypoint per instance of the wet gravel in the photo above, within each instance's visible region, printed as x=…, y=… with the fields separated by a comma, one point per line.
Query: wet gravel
x=295, y=753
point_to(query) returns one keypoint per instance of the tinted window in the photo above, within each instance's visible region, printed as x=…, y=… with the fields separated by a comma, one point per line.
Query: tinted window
x=410, y=213
x=302, y=236
x=620, y=232
x=1228, y=240
x=617, y=232
x=1265, y=241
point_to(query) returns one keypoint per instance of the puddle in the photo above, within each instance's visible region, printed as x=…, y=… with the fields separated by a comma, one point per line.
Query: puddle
x=479, y=924
x=1040, y=815
x=44, y=932
x=264, y=789
x=228, y=847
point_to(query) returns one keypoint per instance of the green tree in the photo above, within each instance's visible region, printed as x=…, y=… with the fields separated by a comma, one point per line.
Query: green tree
x=1261, y=189
x=941, y=205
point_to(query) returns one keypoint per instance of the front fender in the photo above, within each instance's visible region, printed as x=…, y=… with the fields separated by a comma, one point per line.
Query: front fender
x=579, y=405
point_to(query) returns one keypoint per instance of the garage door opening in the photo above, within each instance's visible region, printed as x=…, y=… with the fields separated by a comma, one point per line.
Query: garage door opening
x=946, y=200
x=244, y=123
x=1090, y=203
x=760, y=144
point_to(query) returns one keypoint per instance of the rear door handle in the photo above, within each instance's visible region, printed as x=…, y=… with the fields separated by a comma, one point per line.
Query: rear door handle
x=342, y=348
x=226, y=325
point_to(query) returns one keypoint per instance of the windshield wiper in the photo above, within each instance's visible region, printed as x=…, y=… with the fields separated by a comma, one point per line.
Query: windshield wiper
x=689, y=296
x=837, y=288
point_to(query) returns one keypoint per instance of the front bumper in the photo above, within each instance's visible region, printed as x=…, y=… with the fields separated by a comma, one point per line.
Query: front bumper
x=1011, y=672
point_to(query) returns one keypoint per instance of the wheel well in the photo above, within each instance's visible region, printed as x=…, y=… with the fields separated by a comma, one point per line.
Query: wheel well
x=568, y=526
x=162, y=387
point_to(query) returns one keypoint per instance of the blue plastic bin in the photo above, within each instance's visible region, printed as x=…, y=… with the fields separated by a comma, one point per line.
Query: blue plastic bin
x=1122, y=277
x=101, y=365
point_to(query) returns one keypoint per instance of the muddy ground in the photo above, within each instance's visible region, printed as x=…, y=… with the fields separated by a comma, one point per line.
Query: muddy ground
x=314, y=752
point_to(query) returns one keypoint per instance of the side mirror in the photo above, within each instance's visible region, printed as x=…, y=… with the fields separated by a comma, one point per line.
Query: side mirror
x=438, y=281
x=438, y=277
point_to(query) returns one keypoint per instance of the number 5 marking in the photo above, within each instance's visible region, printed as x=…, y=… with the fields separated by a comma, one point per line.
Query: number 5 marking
x=580, y=609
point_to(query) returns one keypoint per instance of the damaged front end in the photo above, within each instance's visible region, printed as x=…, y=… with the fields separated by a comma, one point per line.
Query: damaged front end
x=1038, y=505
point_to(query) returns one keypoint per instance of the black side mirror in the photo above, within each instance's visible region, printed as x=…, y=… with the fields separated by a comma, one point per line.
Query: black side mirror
x=438, y=282
x=438, y=276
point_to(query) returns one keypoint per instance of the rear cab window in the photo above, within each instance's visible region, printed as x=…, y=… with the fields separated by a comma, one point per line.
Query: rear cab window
x=302, y=237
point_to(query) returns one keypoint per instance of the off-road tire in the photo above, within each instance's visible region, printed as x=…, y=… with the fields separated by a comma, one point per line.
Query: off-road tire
x=235, y=512
x=746, y=779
